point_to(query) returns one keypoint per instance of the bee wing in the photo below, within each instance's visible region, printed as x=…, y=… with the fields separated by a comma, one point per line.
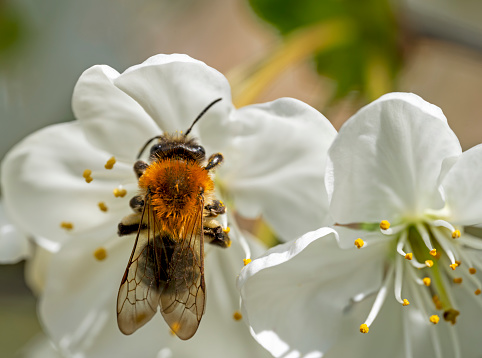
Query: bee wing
x=183, y=299
x=141, y=285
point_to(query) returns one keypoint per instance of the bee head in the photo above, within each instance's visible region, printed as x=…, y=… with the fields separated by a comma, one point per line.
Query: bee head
x=170, y=147
x=185, y=148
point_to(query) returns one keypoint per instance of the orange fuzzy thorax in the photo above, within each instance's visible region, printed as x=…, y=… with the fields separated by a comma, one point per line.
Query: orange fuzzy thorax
x=175, y=187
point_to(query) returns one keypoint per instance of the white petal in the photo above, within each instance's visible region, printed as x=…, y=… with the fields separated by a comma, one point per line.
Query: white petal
x=14, y=246
x=111, y=119
x=297, y=296
x=387, y=158
x=43, y=184
x=462, y=186
x=78, y=306
x=275, y=166
x=39, y=347
x=175, y=89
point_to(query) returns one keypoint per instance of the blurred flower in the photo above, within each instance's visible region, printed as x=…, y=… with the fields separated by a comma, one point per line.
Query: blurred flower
x=57, y=185
x=401, y=191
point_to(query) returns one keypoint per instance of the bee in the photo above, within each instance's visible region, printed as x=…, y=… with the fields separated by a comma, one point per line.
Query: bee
x=174, y=212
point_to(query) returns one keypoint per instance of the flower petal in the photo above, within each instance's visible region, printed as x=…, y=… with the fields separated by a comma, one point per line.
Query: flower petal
x=43, y=184
x=112, y=120
x=275, y=166
x=386, y=160
x=298, y=294
x=14, y=246
x=175, y=89
x=462, y=186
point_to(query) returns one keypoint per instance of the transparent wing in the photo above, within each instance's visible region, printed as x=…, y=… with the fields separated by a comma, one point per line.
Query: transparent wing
x=142, y=283
x=183, y=299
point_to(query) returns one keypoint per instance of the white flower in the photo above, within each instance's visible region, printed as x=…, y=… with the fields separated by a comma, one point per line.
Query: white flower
x=274, y=166
x=394, y=162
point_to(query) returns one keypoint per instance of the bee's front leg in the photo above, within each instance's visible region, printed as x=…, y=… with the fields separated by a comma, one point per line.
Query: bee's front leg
x=140, y=167
x=215, y=235
x=214, y=160
x=215, y=208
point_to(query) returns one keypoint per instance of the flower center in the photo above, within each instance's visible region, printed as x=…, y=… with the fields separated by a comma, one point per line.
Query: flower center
x=427, y=256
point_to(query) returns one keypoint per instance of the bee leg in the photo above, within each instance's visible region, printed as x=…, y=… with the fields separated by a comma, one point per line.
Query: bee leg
x=137, y=203
x=215, y=235
x=214, y=161
x=140, y=167
x=130, y=224
x=215, y=208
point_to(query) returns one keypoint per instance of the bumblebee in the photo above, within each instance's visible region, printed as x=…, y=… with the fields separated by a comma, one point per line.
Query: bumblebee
x=174, y=212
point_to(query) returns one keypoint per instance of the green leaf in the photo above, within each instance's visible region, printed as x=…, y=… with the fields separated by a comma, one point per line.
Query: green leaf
x=376, y=37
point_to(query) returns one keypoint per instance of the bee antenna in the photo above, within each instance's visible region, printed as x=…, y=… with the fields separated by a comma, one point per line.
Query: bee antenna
x=147, y=143
x=201, y=114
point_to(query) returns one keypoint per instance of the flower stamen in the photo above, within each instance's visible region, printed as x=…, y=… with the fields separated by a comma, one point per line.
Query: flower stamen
x=67, y=225
x=110, y=163
x=434, y=319
x=87, y=175
x=102, y=206
x=100, y=253
x=384, y=225
x=427, y=281
x=359, y=243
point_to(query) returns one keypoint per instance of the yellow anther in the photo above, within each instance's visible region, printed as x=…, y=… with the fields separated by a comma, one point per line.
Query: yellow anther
x=405, y=302
x=409, y=256
x=384, y=225
x=458, y=262
x=427, y=281
x=456, y=234
x=458, y=280
x=364, y=328
x=67, y=225
x=429, y=263
x=437, y=302
x=237, y=316
x=100, y=253
x=472, y=270
x=246, y=261
x=434, y=319
x=433, y=252
x=102, y=206
x=110, y=163
x=227, y=229
x=453, y=266
x=450, y=315
x=359, y=243
x=477, y=292
x=119, y=192
x=86, y=175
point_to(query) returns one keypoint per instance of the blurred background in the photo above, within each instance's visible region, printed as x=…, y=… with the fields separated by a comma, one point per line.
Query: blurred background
x=336, y=55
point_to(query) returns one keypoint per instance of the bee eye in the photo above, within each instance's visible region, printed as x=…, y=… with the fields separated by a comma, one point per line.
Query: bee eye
x=200, y=150
x=156, y=148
